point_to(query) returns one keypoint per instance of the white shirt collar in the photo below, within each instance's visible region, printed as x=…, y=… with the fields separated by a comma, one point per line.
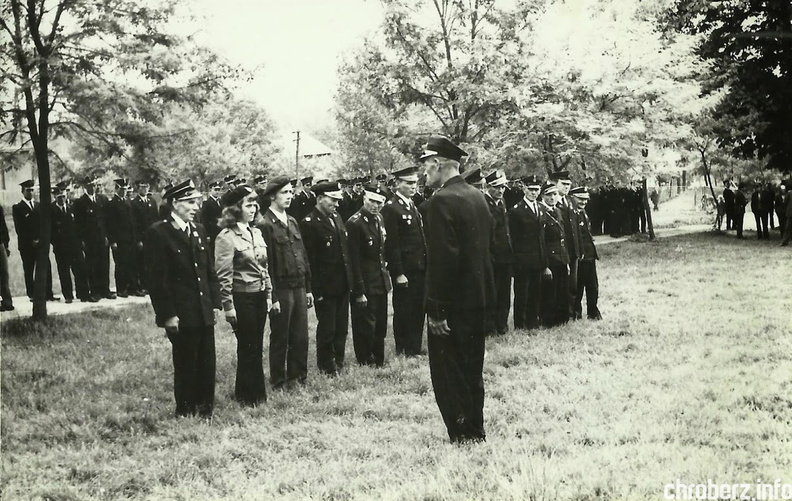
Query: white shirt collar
x=409, y=202
x=182, y=224
x=281, y=215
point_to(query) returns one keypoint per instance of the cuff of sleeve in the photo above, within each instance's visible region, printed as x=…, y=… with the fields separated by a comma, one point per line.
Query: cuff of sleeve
x=438, y=310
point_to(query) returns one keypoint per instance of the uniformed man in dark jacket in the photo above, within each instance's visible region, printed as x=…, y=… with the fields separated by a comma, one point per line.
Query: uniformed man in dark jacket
x=502, y=257
x=555, y=288
x=145, y=213
x=405, y=253
x=572, y=237
x=587, y=268
x=68, y=251
x=513, y=193
x=304, y=201
x=6, y=301
x=740, y=201
x=26, y=215
x=185, y=293
x=291, y=287
x=526, y=227
x=460, y=289
x=121, y=235
x=370, y=280
x=325, y=239
x=89, y=219
x=787, y=205
x=728, y=197
x=211, y=211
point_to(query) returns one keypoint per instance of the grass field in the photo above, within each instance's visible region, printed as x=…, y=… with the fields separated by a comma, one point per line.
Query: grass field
x=687, y=377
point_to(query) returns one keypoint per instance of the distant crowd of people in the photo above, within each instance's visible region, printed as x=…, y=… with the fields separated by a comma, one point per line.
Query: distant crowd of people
x=768, y=203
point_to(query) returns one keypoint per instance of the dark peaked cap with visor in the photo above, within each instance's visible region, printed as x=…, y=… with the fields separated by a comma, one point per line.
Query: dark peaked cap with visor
x=439, y=146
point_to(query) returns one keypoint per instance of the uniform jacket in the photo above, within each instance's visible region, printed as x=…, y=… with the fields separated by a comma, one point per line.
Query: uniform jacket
x=181, y=276
x=210, y=214
x=89, y=220
x=728, y=197
x=288, y=262
x=367, y=239
x=588, y=251
x=501, y=240
x=788, y=204
x=554, y=237
x=459, y=273
x=64, y=229
x=325, y=240
x=241, y=263
x=405, y=247
x=350, y=204
x=527, y=229
x=739, y=202
x=145, y=213
x=26, y=223
x=120, y=221
x=4, y=237
x=302, y=204
x=570, y=222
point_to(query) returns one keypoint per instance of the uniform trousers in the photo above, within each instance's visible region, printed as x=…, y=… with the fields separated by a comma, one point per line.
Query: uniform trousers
x=761, y=225
x=555, y=297
x=28, y=256
x=787, y=231
x=140, y=269
x=573, y=285
x=72, y=261
x=289, y=338
x=97, y=255
x=527, y=297
x=409, y=314
x=587, y=280
x=369, y=327
x=498, y=319
x=5, y=290
x=332, y=326
x=737, y=223
x=125, y=264
x=456, y=362
x=194, y=370
x=251, y=310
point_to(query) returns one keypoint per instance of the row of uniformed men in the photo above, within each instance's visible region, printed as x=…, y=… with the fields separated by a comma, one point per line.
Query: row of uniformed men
x=84, y=230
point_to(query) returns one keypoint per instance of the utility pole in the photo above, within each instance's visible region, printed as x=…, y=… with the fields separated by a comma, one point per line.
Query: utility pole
x=297, y=156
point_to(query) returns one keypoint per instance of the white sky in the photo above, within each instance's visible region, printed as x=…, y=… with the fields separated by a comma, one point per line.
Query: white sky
x=295, y=43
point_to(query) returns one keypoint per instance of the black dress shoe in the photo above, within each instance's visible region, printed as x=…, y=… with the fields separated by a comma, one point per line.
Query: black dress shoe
x=69, y=300
x=53, y=298
x=123, y=294
x=110, y=295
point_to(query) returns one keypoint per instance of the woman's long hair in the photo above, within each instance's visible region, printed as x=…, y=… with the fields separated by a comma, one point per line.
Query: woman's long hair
x=233, y=214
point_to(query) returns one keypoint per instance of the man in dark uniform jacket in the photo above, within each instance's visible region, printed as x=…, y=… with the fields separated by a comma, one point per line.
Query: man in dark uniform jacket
x=555, y=288
x=739, y=209
x=759, y=209
x=68, y=251
x=6, y=301
x=89, y=218
x=405, y=253
x=27, y=226
x=304, y=201
x=728, y=197
x=587, y=268
x=513, y=193
x=570, y=222
x=291, y=287
x=145, y=213
x=530, y=261
x=185, y=293
x=370, y=280
x=460, y=290
x=502, y=257
x=121, y=235
x=325, y=238
x=211, y=211
x=787, y=207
